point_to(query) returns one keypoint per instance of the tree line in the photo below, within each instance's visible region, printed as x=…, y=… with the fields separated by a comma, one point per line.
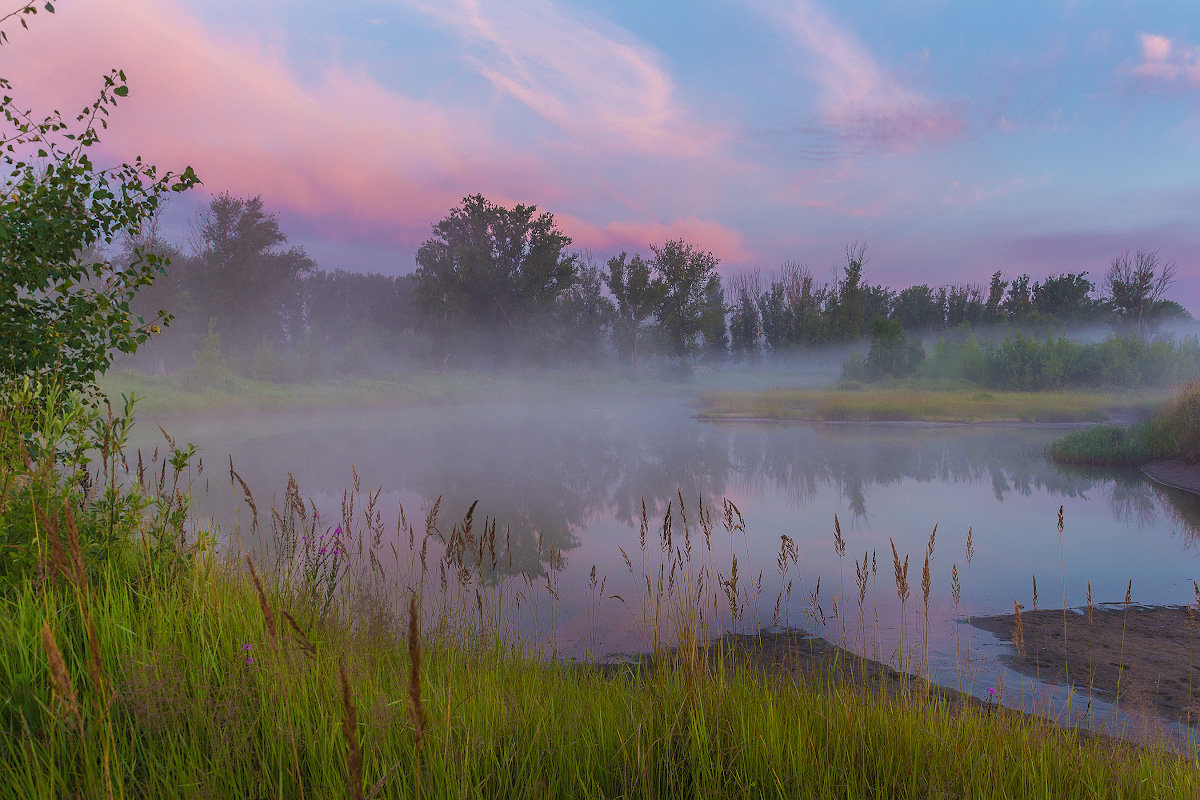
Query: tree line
x=496, y=285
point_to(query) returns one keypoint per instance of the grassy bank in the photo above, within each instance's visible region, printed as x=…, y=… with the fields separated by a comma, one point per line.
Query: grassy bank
x=919, y=404
x=208, y=701
x=137, y=659
x=167, y=396
x=1172, y=432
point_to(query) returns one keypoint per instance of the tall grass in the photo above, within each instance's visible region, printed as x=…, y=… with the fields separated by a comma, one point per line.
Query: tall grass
x=1173, y=432
x=211, y=674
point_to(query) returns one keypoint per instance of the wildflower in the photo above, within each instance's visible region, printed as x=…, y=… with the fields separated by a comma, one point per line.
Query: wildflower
x=322, y=550
x=249, y=660
x=337, y=531
x=991, y=692
x=247, y=647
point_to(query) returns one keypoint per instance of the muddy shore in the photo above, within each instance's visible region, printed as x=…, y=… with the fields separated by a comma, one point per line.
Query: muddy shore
x=1144, y=658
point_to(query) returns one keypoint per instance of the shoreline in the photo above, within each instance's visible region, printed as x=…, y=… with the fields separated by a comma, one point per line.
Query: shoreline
x=1176, y=473
x=1146, y=657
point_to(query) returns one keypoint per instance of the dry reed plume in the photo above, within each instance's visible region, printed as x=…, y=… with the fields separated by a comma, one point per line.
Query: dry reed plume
x=60, y=679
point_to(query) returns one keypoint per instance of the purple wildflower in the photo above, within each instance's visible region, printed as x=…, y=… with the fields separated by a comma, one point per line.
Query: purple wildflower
x=247, y=647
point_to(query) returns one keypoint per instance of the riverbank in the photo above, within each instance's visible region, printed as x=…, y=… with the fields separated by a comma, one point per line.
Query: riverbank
x=1176, y=473
x=1145, y=658
x=925, y=405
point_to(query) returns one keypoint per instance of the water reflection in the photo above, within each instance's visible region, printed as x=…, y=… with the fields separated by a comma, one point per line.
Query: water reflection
x=548, y=473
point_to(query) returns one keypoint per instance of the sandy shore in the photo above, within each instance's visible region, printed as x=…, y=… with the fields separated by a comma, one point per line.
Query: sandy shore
x=1175, y=472
x=1145, y=658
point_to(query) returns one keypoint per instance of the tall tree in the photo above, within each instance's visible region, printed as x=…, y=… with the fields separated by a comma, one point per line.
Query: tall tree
x=1135, y=286
x=245, y=277
x=686, y=273
x=744, y=320
x=489, y=268
x=636, y=293
x=585, y=313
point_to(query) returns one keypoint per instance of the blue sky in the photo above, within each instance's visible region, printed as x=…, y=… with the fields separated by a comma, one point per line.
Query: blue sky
x=954, y=138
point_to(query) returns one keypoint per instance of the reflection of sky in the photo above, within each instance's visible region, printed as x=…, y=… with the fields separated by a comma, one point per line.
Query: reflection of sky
x=576, y=475
x=956, y=139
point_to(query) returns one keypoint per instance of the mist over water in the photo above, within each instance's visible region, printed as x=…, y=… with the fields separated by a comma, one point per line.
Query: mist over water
x=565, y=482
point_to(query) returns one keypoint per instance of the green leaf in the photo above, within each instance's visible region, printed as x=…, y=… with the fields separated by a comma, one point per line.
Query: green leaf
x=121, y=91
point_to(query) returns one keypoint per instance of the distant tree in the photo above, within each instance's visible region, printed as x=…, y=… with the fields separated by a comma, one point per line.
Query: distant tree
x=919, y=307
x=713, y=327
x=964, y=304
x=1018, y=305
x=687, y=275
x=636, y=293
x=244, y=275
x=992, y=309
x=585, y=313
x=492, y=269
x=1135, y=285
x=847, y=313
x=744, y=321
x=892, y=354
x=1066, y=297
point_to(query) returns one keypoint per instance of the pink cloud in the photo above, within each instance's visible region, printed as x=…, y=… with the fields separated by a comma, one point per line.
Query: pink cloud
x=1167, y=61
x=636, y=237
x=340, y=145
x=862, y=102
x=593, y=81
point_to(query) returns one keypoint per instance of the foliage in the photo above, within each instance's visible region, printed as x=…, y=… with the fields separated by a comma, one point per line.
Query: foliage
x=1136, y=285
x=1023, y=363
x=636, y=294
x=892, y=354
x=492, y=269
x=63, y=307
x=688, y=275
x=67, y=500
x=1173, y=432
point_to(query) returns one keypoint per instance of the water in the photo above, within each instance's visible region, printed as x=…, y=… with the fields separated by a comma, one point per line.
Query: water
x=574, y=475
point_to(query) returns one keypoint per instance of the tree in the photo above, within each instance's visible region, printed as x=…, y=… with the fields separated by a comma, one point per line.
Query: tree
x=63, y=308
x=686, y=273
x=847, y=317
x=1135, y=285
x=919, y=307
x=713, y=328
x=744, y=321
x=892, y=354
x=585, y=313
x=1066, y=297
x=992, y=311
x=637, y=294
x=492, y=269
x=244, y=276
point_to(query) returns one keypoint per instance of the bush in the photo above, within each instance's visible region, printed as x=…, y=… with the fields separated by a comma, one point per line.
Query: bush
x=69, y=500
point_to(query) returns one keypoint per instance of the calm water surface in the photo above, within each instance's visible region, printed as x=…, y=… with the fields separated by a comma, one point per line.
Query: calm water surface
x=574, y=476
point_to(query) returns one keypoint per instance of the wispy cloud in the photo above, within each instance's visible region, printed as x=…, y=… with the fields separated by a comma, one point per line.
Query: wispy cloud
x=861, y=102
x=1167, y=61
x=591, y=79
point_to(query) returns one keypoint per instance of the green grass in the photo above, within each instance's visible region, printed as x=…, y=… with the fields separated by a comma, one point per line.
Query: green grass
x=903, y=403
x=190, y=718
x=1173, y=432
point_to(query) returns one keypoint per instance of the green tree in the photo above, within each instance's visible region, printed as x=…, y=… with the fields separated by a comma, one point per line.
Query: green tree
x=687, y=274
x=492, y=269
x=636, y=293
x=585, y=314
x=245, y=276
x=64, y=309
x=1066, y=297
x=892, y=354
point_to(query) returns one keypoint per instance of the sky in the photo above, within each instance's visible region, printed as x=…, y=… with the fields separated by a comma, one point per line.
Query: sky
x=954, y=139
